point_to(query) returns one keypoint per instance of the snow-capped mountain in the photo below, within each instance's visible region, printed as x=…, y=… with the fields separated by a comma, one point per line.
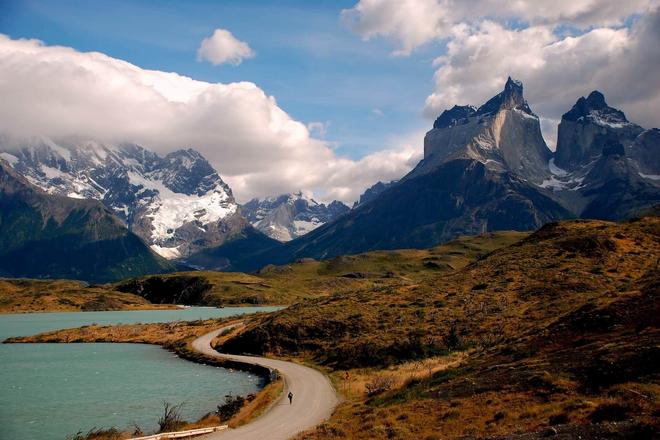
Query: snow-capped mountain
x=289, y=216
x=177, y=203
x=50, y=236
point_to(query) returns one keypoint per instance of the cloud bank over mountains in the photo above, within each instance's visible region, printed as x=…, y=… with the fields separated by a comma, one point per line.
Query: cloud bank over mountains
x=256, y=146
x=560, y=49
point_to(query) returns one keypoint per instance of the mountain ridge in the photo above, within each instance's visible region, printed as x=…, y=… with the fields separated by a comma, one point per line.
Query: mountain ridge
x=46, y=236
x=177, y=203
x=290, y=216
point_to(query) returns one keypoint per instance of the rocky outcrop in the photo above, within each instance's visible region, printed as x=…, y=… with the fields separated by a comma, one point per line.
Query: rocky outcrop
x=372, y=192
x=605, y=166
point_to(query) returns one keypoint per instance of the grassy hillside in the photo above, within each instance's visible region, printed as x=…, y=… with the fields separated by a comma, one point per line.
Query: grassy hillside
x=557, y=333
x=25, y=295
x=273, y=285
x=307, y=279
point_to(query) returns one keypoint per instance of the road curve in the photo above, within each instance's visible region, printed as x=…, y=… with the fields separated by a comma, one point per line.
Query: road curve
x=313, y=402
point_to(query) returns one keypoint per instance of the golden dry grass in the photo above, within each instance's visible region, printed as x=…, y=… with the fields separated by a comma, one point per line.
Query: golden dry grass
x=561, y=328
x=24, y=295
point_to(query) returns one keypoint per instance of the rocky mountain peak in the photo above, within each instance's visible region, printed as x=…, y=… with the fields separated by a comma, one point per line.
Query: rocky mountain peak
x=593, y=108
x=503, y=134
x=188, y=172
x=596, y=100
x=454, y=116
x=289, y=216
x=587, y=128
x=508, y=99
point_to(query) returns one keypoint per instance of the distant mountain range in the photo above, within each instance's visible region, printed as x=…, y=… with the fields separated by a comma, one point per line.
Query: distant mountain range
x=485, y=168
x=290, y=216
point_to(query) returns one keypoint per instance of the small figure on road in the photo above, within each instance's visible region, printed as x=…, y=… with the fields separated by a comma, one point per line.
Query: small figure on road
x=290, y=396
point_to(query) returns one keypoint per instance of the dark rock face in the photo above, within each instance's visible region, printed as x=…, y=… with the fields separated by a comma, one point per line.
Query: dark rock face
x=290, y=216
x=645, y=151
x=454, y=116
x=372, y=192
x=594, y=102
x=48, y=236
x=608, y=166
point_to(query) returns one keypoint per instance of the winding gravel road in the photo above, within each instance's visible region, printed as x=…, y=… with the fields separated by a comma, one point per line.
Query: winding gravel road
x=313, y=402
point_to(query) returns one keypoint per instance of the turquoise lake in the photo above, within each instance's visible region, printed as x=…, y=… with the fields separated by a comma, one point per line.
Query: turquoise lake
x=51, y=391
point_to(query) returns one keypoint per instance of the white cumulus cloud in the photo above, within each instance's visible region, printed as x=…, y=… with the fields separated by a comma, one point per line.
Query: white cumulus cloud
x=412, y=23
x=560, y=49
x=620, y=62
x=222, y=47
x=255, y=145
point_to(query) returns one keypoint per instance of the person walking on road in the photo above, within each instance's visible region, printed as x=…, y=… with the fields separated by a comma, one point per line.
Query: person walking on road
x=290, y=396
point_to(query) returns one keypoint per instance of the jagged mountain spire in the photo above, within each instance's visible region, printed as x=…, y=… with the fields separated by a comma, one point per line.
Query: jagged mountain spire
x=510, y=98
x=504, y=134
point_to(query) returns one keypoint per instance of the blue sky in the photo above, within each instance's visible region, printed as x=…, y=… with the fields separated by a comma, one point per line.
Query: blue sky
x=305, y=57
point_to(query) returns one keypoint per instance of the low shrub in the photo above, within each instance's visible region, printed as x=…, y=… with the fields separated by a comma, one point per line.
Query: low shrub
x=610, y=412
x=379, y=385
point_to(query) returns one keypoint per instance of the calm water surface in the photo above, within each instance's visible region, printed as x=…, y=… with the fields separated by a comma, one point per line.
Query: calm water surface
x=49, y=391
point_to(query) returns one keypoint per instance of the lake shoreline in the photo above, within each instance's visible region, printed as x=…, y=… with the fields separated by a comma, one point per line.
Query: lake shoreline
x=173, y=337
x=151, y=334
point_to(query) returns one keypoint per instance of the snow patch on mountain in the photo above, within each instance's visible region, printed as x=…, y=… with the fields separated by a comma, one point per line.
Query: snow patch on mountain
x=169, y=210
x=13, y=160
x=561, y=179
x=165, y=252
x=650, y=176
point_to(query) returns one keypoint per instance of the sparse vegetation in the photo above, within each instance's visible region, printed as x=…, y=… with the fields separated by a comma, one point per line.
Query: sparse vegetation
x=232, y=406
x=171, y=419
x=546, y=340
x=378, y=385
x=24, y=295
